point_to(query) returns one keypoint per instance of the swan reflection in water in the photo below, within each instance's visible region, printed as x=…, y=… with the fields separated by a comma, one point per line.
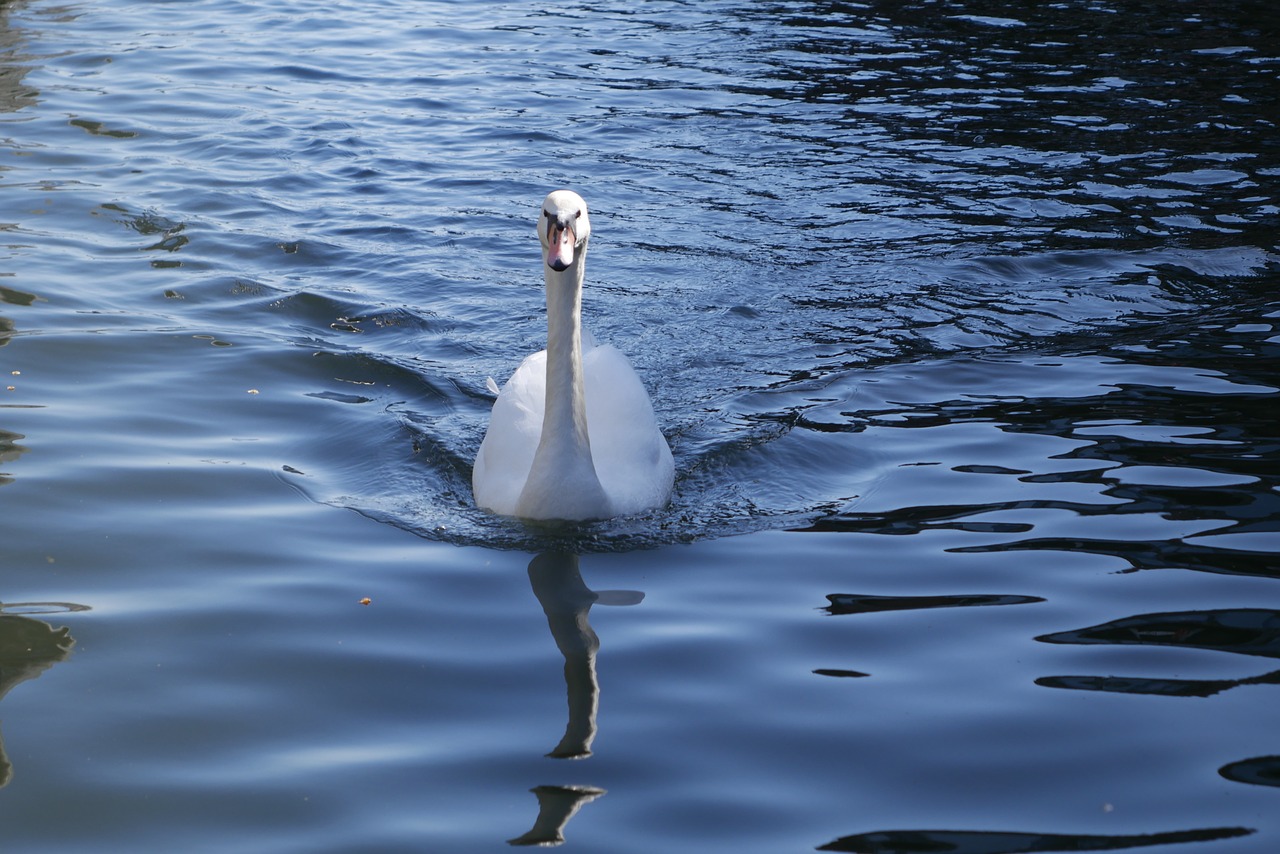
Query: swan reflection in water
x=28, y=648
x=567, y=601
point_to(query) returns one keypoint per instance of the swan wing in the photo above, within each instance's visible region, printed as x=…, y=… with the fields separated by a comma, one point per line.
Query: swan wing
x=515, y=426
x=632, y=459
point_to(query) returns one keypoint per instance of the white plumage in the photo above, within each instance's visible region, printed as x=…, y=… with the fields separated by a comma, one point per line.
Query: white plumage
x=572, y=434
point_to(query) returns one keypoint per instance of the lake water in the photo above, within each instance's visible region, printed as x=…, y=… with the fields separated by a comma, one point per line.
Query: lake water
x=961, y=319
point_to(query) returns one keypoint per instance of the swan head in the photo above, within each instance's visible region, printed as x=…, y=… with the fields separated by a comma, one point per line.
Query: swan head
x=563, y=228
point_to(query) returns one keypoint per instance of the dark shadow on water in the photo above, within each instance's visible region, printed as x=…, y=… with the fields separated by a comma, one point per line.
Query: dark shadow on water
x=1153, y=686
x=27, y=649
x=840, y=674
x=856, y=603
x=1244, y=631
x=567, y=601
x=1258, y=771
x=9, y=450
x=997, y=842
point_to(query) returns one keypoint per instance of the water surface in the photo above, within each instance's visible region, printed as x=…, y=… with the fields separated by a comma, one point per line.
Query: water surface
x=961, y=322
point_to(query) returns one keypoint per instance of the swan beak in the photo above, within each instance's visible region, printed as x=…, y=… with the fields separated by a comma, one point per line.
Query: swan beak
x=561, y=245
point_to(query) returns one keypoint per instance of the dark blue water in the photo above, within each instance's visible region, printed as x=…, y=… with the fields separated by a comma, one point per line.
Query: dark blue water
x=961, y=321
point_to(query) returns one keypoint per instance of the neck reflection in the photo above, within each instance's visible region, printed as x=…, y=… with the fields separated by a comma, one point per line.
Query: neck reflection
x=567, y=601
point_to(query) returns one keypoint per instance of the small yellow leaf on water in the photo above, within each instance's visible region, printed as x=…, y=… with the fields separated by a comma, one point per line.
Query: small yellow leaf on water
x=366, y=601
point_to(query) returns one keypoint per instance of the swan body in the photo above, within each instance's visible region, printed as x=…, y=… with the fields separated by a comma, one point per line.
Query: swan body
x=572, y=434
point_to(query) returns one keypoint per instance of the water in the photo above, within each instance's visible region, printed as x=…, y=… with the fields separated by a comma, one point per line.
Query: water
x=960, y=319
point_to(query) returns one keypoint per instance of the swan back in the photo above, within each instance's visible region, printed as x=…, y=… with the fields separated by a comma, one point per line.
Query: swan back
x=632, y=460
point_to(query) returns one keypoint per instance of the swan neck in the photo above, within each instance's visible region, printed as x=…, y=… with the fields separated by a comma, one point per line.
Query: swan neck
x=562, y=482
x=566, y=405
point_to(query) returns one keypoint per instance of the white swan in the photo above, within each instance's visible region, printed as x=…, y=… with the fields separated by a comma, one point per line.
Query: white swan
x=572, y=434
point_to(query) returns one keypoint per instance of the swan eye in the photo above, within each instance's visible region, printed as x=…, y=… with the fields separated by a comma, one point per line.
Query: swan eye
x=554, y=218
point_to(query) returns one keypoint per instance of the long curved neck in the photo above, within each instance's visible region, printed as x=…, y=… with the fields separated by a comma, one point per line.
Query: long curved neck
x=562, y=481
x=566, y=408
